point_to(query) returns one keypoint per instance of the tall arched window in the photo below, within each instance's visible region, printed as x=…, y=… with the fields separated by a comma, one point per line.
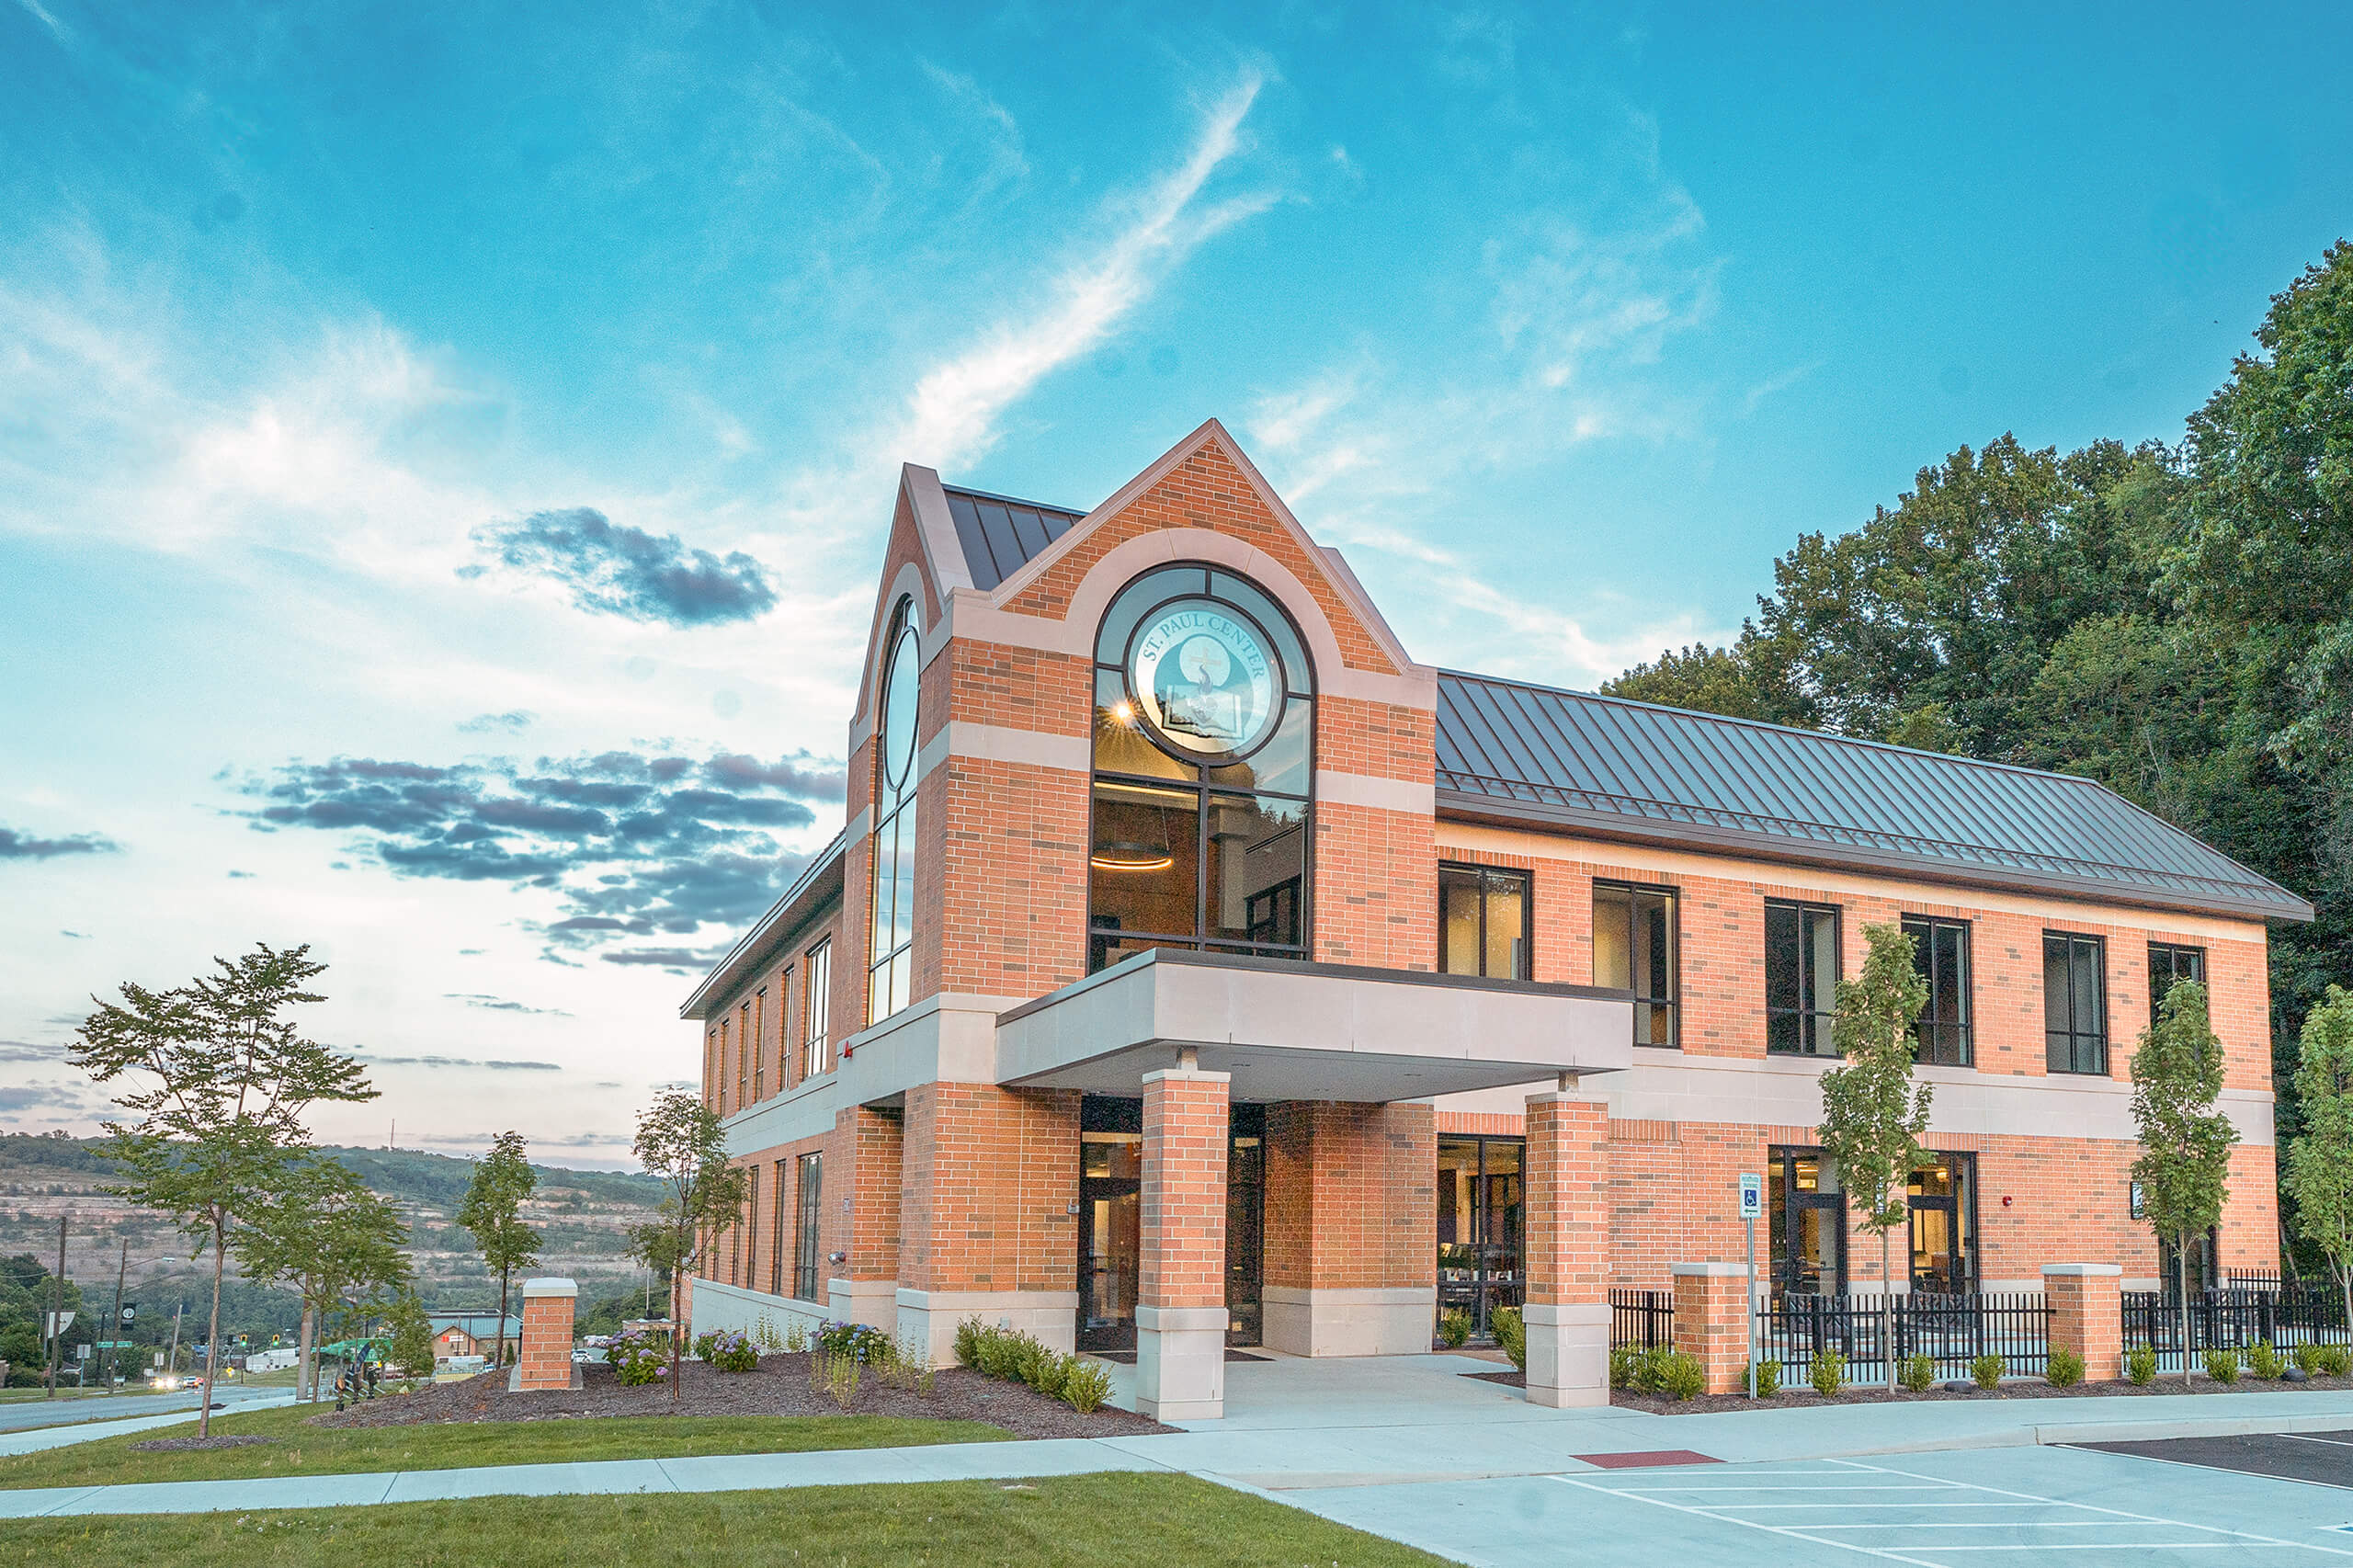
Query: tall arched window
x=1204, y=770
x=889, y=956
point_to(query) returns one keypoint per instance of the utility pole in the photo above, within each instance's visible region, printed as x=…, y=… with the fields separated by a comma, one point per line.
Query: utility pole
x=114, y=1356
x=57, y=1315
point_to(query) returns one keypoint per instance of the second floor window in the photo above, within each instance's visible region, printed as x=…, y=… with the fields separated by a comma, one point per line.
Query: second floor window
x=889, y=956
x=2170, y=964
x=816, y=1050
x=1800, y=978
x=760, y=1045
x=2074, y=1002
x=1634, y=934
x=1941, y=954
x=724, y=1068
x=1482, y=922
x=748, y=1045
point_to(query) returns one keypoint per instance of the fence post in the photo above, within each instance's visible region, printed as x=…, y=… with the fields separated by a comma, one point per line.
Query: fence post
x=2087, y=1314
x=1711, y=1320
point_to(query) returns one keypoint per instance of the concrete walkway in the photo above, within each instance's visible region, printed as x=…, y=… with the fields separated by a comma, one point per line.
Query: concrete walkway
x=40, y=1439
x=1294, y=1426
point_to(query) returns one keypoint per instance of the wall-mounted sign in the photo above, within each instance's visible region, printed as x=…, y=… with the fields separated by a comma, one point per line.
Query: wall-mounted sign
x=1206, y=678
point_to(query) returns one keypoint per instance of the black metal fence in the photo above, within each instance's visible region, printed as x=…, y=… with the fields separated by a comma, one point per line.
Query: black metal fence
x=2233, y=1317
x=1641, y=1318
x=1952, y=1331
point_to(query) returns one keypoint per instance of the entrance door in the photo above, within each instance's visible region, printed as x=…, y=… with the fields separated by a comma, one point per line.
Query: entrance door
x=1245, y=1224
x=1110, y=1238
x=1480, y=1210
x=1807, y=1222
x=1944, y=1225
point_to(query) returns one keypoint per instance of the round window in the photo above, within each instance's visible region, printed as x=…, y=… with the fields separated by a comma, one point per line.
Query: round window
x=899, y=711
x=1206, y=678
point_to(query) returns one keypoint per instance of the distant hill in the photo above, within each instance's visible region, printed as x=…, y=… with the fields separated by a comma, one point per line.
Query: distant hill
x=581, y=1216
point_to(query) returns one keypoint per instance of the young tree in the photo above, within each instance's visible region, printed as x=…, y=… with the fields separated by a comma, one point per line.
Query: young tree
x=2185, y=1141
x=220, y=1082
x=411, y=1335
x=318, y=1228
x=493, y=1211
x=1872, y=1113
x=2320, y=1160
x=679, y=1141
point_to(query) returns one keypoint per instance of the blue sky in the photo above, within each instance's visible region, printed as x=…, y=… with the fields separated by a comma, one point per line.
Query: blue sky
x=444, y=451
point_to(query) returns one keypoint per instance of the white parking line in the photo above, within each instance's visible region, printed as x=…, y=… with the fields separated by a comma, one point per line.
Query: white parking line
x=1915, y=1537
x=2308, y=1437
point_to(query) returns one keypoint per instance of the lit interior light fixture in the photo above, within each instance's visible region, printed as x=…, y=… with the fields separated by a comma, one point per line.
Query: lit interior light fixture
x=1131, y=857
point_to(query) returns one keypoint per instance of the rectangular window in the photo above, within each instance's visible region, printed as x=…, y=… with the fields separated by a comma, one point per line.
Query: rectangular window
x=760, y=1045
x=777, y=1235
x=748, y=1045
x=805, y=1251
x=1800, y=978
x=1941, y=954
x=751, y=1226
x=786, y=1060
x=2074, y=1002
x=1635, y=932
x=724, y=1069
x=2169, y=965
x=1483, y=916
x=816, y=1050
x=710, y=1068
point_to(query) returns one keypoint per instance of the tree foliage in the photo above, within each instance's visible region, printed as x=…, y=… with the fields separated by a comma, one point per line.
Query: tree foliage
x=493, y=1210
x=2185, y=1159
x=679, y=1143
x=412, y=1335
x=316, y=1227
x=1872, y=1111
x=2320, y=1159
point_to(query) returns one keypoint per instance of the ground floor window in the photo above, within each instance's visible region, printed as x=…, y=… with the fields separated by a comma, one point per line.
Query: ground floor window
x=1806, y=1220
x=776, y=1236
x=1481, y=1200
x=805, y=1247
x=1110, y=1216
x=1944, y=1226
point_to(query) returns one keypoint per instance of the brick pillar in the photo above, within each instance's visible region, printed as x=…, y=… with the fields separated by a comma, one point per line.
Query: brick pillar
x=544, y=1359
x=1351, y=1240
x=861, y=1188
x=1180, y=1284
x=1567, y=1243
x=2087, y=1316
x=1711, y=1321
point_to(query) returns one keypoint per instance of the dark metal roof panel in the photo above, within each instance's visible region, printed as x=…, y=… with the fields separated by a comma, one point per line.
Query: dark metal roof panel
x=1564, y=756
x=1001, y=535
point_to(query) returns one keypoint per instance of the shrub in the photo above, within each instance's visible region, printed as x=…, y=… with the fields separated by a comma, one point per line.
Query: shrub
x=2066, y=1368
x=1829, y=1372
x=2308, y=1358
x=796, y=1338
x=1768, y=1379
x=1511, y=1334
x=968, y=1342
x=1041, y=1367
x=836, y=1376
x=2141, y=1366
x=727, y=1350
x=1679, y=1376
x=764, y=1333
x=909, y=1367
x=2223, y=1366
x=2264, y=1361
x=2332, y=1360
x=638, y=1358
x=1625, y=1362
x=858, y=1341
x=1986, y=1371
x=1917, y=1373
x=1085, y=1385
x=1453, y=1327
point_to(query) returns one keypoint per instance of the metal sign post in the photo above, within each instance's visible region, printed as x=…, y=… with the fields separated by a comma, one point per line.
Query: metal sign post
x=1752, y=1204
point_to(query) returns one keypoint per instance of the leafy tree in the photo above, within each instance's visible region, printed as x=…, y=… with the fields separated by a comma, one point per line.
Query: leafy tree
x=2185, y=1141
x=412, y=1333
x=2320, y=1160
x=1872, y=1112
x=1708, y=680
x=220, y=1082
x=318, y=1228
x=679, y=1143
x=26, y=1291
x=493, y=1210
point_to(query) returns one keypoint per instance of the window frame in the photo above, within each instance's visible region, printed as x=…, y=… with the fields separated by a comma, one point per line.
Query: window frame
x=2098, y=946
x=751, y=1227
x=890, y=970
x=747, y=1047
x=1673, y=1001
x=1487, y=875
x=1925, y=953
x=723, y=1065
x=817, y=977
x=776, y=1232
x=2176, y=953
x=1817, y=1020
x=808, y=1215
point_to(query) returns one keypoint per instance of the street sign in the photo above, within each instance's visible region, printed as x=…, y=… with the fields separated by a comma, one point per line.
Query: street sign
x=130, y=1312
x=1752, y=1206
x=81, y=1352
x=1752, y=1196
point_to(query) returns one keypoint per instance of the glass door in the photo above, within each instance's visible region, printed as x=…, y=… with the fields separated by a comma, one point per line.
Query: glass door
x=1245, y=1224
x=1480, y=1213
x=1110, y=1238
x=1944, y=1226
x=1806, y=1216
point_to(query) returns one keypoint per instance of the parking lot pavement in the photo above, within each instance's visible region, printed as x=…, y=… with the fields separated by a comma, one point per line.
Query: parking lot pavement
x=2324, y=1459
x=2035, y=1507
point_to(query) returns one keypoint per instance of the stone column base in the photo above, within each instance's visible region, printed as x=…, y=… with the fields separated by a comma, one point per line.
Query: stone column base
x=874, y=1301
x=928, y=1318
x=1568, y=1353
x=1302, y=1322
x=1180, y=1363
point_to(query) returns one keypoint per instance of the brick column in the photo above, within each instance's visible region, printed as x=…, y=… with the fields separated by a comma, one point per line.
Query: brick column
x=862, y=1191
x=2087, y=1316
x=1567, y=1243
x=544, y=1359
x=1711, y=1321
x=1351, y=1239
x=1180, y=1285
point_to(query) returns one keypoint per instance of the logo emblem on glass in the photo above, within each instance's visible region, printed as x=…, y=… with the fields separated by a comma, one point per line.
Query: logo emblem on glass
x=1205, y=679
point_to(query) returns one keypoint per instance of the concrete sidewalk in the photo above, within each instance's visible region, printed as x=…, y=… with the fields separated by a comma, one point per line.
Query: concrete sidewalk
x=1295, y=1424
x=37, y=1439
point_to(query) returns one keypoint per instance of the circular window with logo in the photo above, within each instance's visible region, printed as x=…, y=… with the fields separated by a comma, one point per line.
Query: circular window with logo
x=1205, y=678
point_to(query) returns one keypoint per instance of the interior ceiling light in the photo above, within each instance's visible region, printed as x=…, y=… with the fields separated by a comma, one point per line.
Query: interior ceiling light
x=1127, y=856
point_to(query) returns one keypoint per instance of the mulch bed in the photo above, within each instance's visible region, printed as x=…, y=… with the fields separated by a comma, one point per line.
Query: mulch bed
x=1799, y=1397
x=186, y=1444
x=779, y=1387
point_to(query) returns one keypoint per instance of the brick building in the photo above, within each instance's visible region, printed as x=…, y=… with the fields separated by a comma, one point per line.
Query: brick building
x=1196, y=968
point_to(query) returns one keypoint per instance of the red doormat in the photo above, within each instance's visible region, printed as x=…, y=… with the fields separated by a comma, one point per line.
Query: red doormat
x=1645, y=1461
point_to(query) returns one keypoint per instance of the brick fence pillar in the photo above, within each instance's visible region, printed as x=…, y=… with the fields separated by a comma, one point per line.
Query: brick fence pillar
x=1180, y=1280
x=544, y=1359
x=1567, y=1243
x=1711, y=1321
x=2087, y=1314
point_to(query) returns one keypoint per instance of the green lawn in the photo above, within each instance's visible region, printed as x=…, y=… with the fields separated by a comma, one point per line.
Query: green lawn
x=1101, y=1521
x=327, y=1450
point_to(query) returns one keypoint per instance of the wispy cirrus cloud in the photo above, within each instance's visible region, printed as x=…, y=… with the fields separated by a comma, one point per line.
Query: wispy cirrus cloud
x=612, y=569
x=491, y=1004
x=514, y=721
x=19, y=845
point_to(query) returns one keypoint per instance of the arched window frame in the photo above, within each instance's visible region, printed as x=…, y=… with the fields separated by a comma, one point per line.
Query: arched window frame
x=890, y=882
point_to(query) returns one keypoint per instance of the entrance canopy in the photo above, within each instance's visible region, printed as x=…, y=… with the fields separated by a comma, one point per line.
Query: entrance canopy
x=1307, y=1032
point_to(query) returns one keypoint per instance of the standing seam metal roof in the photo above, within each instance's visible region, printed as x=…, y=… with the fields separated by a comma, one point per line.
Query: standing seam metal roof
x=1001, y=535
x=1516, y=750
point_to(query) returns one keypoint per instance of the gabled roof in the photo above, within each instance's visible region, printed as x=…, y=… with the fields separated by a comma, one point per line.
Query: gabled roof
x=1514, y=753
x=1001, y=535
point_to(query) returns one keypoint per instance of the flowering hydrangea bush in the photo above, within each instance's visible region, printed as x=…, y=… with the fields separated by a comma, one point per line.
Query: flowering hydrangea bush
x=727, y=1350
x=860, y=1342
x=638, y=1358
